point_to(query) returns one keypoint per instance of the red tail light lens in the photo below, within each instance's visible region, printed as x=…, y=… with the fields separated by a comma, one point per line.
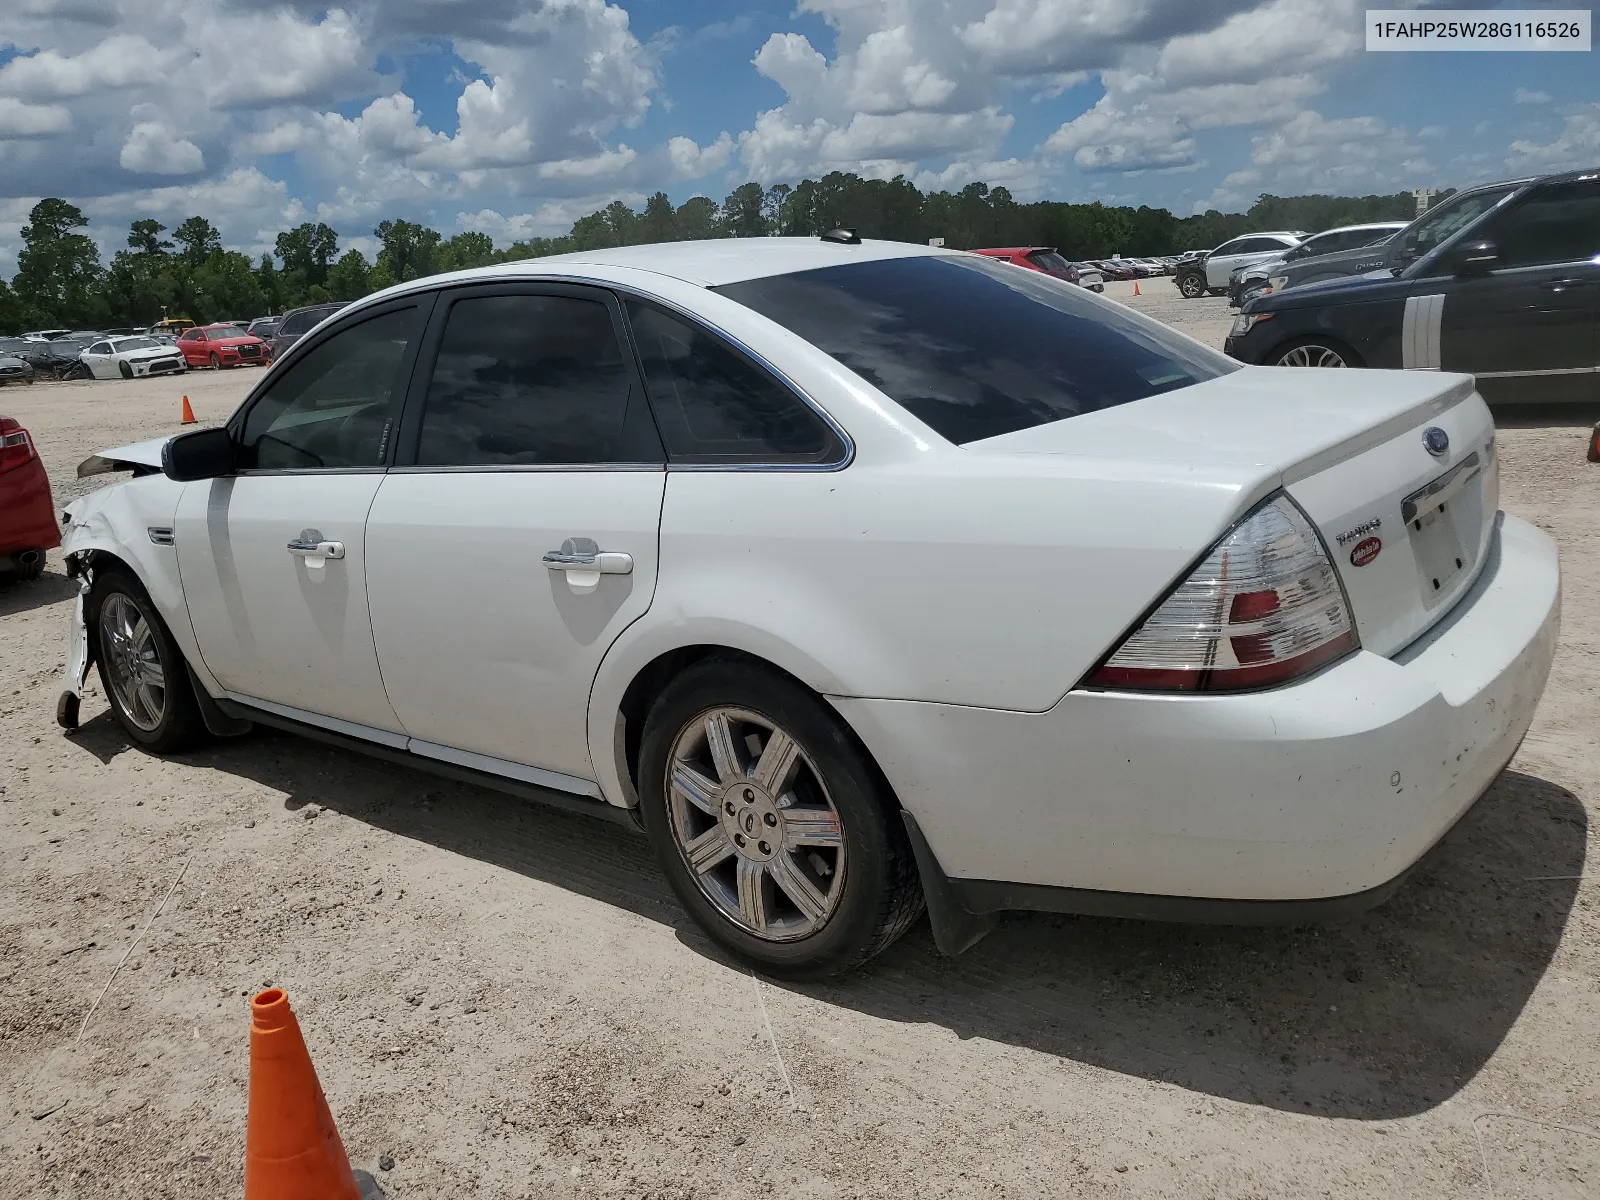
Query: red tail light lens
x=1265, y=607
x=16, y=447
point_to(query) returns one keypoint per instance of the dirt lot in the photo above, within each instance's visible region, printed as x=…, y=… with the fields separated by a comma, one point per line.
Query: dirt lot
x=508, y=1002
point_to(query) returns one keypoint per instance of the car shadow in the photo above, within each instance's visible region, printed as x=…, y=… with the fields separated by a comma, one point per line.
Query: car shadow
x=1376, y=1017
x=20, y=596
x=1546, y=416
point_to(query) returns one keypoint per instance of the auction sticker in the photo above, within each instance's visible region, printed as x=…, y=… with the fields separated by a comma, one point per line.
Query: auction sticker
x=1365, y=551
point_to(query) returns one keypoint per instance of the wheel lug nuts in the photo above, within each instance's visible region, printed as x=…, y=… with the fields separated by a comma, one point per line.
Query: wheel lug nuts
x=765, y=849
x=728, y=808
x=771, y=819
x=748, y=795
x=738, y=839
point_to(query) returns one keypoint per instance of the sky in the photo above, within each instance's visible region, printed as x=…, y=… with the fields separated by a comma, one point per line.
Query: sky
x=514, y=117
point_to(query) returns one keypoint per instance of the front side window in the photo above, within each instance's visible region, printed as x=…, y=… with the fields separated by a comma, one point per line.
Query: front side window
x=1449, y=217
x=100, y=348
x=714, y=405
x=1237, y=246
x=524, y=380
x=975, y=349
x=335, y=406
x=1559, y=224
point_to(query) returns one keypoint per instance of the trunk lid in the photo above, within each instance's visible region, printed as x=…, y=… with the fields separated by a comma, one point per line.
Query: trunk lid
x=1407, y=529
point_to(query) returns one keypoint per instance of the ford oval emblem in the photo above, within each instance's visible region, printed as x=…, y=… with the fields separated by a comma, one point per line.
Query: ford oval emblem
x=1436, y=440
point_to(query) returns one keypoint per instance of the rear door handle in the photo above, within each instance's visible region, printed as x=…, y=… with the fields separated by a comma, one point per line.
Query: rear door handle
x=584, y=562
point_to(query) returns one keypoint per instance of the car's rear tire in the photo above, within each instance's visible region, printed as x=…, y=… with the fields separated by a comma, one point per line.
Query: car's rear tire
x=1192, y=285
x=125, y=370
x=1313, y=352
x=143, y=672
x=802, y=869
x=25, y=565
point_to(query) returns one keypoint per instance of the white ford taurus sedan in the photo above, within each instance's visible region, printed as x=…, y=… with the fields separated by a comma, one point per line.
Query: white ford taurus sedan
x=860, y=575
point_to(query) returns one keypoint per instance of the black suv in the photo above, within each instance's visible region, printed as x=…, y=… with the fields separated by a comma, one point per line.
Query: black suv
x=1510, y=294
x=298, y=322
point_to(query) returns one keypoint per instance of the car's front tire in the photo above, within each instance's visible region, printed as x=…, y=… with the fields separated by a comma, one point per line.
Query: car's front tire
x=216, y=363
x=1313, y=352
x=141, y=668
x=772, y=824
x=1192, y=285
x=125, y=370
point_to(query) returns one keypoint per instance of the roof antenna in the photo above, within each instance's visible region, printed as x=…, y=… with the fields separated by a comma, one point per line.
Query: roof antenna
x=844, y=237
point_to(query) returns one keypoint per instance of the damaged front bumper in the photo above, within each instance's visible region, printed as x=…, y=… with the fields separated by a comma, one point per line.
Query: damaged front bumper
x=79, y=657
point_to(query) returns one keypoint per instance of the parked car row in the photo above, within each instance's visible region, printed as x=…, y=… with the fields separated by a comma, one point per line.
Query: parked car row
x=1501, y=281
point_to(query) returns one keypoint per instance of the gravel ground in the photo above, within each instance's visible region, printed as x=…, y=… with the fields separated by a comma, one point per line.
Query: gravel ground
x=506, y=1002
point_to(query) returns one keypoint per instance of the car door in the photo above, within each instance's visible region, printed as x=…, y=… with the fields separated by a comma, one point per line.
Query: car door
x=273, y=558
x=517, y=537
x=1233, y=254
x=1529, y=325
x=100, y=361
x=193, y=344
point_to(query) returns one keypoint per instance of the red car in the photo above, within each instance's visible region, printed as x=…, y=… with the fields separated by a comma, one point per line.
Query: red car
x=222, y=346
x=1035, y=258
x=27, y=515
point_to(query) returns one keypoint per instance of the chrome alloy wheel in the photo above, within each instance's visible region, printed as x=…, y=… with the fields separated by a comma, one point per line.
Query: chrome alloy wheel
x=755, y=824
x=133, y=662
x=1312, y=356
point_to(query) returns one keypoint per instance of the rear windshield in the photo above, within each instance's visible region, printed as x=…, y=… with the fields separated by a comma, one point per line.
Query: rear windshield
x=1049, y=260
x=976, y=348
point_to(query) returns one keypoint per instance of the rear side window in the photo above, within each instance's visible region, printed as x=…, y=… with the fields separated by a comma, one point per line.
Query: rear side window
x=335, y=406
x=714, y=405
x=1559, y=224
x=976, y=349
x=298, y=323
x=525, y=380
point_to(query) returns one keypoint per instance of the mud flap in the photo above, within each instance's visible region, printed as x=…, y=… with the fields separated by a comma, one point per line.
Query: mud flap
x=79, y=656
x=955, y=928
x=217, y=722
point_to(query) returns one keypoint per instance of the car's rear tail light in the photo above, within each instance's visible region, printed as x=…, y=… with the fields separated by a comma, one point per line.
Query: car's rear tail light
x=15, y=446
x=1264, y=607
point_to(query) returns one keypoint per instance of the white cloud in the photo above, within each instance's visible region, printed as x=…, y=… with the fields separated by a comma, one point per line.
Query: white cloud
x=1525, y=96
x=1575, y=147
x=21, y=120
x=276, y=57
x=692, y=161
x=126, y=60
x=154, y=149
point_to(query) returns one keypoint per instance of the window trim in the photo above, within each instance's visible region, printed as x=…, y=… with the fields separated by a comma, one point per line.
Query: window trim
x=422, y=301
x=762, y=363
x=408, y=433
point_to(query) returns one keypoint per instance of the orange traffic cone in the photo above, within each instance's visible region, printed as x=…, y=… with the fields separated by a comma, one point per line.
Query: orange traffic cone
x=1135, y=287
x=291, y=1149
x=188, y=413
x=1594, y=444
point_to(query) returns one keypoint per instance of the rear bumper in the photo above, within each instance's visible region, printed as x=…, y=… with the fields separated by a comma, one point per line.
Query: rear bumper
x=1326, y=790
x=27, y=514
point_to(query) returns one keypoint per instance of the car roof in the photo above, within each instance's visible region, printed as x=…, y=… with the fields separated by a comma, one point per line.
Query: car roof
x=1009, y=249
x=710, y=263
x=1365, y=225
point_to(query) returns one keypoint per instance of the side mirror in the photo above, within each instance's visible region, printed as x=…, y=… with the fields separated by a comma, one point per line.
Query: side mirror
x=1474, y=258
x=1297, y=252
x=201, y=454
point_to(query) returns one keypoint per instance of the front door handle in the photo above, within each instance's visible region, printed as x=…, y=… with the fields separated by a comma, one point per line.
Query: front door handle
x=584, y=562
x=312, y=547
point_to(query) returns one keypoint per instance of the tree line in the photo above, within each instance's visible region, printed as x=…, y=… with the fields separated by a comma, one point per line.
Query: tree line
x=62, y=282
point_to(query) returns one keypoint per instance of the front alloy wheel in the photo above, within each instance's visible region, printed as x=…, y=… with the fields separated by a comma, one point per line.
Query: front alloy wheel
x=1310, y=354
x=1192, y=286
x=755, y=824
x=141, y=668
x=134, y=669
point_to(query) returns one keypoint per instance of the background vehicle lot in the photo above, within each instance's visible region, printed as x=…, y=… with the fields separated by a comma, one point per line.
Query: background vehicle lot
x=573, y=1034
